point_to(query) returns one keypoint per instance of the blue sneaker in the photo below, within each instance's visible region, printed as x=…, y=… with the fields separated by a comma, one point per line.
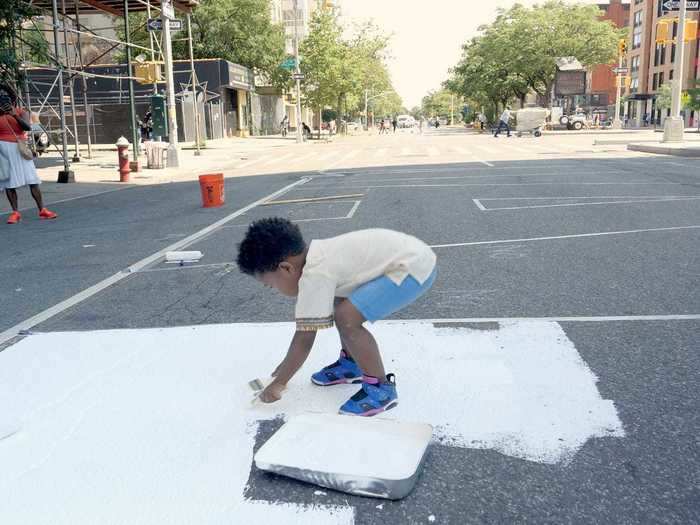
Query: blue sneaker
x=374, y=397
x=344, y=370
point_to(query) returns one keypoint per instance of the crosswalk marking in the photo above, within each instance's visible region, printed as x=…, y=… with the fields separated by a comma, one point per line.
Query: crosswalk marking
x=405, y=152
x=461, y=151
x=433, y=151
x=274, y=159
x=381, y=152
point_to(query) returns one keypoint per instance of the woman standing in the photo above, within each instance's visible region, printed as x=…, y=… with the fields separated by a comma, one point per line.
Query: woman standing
x=15, y=169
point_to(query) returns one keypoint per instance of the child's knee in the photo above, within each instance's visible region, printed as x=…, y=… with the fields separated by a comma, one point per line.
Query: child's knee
x=347, y=319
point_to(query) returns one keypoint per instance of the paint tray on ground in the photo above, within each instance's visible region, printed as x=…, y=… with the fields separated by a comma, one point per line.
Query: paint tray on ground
x=365, y=456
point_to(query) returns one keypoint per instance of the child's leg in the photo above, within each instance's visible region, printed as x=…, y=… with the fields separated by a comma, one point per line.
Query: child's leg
x=357, y=340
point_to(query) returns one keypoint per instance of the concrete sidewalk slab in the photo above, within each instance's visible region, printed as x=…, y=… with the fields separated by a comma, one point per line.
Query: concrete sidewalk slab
x=678, y=149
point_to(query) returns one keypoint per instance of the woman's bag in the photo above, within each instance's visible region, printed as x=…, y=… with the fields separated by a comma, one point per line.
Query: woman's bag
x=23, y=146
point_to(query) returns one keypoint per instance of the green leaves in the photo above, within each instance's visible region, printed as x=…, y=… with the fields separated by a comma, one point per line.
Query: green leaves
x=517, y=53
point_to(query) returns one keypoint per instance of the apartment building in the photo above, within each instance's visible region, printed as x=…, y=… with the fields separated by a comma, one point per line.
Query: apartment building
x=651, y=65
x=602, y=83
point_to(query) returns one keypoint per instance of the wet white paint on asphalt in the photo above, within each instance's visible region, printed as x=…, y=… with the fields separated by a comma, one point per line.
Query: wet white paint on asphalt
x=156, y=425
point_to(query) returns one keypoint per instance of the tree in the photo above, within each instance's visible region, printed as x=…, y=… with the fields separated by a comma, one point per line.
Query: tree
x=664, y=97
x=13, y=15
x=517, y=53
x=438, y=103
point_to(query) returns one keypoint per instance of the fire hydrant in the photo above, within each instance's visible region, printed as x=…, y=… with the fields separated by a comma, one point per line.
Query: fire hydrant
x=123, y=153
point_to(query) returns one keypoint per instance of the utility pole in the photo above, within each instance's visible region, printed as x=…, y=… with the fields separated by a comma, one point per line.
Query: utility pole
x=622, y=45
x=195, y=109
x=366, y=102
x=452, y=110
x=300, y=136
x=84, y=81
x=166, y=13
x=674, y=125
x=132, y=105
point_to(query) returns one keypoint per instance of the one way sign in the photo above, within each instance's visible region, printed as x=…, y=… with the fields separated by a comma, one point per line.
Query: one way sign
x=675, y=5
x=156, y=24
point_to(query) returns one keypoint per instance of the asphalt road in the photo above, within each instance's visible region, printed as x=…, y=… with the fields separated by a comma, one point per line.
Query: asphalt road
x=556, y=238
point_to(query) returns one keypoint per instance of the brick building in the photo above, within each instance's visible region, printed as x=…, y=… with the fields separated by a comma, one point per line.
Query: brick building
x=652, y=65
x=601, y=80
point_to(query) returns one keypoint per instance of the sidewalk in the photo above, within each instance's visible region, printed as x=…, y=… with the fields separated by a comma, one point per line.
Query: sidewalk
x=688, y=148
x=219, y=155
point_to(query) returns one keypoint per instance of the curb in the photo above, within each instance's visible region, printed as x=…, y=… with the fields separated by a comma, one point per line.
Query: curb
x=691, y=151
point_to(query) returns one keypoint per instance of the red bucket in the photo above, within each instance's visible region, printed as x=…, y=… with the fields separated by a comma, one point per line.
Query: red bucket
x=212, y=188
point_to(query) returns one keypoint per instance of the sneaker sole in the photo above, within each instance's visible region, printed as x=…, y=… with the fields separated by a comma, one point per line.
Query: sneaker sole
x=372, y=412
x=344, y=381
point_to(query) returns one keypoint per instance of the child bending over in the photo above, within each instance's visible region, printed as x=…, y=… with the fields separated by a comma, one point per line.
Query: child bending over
x=359, y=276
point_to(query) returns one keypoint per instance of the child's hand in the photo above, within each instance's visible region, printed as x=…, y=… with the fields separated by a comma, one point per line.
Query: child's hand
x=272, y=393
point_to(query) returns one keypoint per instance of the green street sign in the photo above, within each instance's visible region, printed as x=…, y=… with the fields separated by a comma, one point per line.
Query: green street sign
x=290, y=63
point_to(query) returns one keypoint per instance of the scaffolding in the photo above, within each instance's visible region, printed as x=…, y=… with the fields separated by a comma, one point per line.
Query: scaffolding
x=66, y=64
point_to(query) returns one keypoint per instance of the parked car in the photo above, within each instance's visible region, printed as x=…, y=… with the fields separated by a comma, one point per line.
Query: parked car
x=405, y=121
x=39, y=139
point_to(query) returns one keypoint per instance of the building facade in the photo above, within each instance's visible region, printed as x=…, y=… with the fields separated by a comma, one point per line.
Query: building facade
x=652, y=65
x=602, y=82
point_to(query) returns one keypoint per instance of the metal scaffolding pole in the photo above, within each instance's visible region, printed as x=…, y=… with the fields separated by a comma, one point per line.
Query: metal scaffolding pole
x=167, y=13
x=71, y=92
x=132, y=106
x=66, y=175
x=195, y=109
x=85, y=99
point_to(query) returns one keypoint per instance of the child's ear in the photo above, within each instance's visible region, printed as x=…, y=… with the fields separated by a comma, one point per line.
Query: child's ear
x=286, y=267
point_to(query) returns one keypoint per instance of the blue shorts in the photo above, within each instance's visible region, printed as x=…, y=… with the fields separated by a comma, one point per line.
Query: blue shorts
x=382, y=297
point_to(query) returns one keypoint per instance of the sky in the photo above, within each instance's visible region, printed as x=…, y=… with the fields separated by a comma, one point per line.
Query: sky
x=425, y=36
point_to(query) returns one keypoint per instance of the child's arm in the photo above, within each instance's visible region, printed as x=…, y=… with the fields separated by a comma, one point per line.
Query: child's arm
x=296, y=355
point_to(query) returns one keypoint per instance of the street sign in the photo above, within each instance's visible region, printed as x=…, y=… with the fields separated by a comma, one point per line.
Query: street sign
x=289, y=63
x=675, y=5
x=298, y=76
x=156, y=24
x=620, y=70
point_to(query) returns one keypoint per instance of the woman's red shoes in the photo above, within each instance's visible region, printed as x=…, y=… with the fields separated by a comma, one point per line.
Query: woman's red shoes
x=14, y=217
x=47, y=214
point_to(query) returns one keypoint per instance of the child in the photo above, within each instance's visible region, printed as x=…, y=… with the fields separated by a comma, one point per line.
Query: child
x=360, y=276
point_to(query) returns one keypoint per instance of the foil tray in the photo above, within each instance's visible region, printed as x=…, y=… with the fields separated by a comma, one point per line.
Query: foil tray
x=375, y=457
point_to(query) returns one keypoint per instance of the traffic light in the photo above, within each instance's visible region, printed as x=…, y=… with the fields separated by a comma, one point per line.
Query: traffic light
x=622, y=46
x=691, y=30
x=663, y=30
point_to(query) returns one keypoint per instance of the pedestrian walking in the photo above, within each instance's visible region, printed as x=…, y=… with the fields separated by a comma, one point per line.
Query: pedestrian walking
x=394, y=123
x=421, y=124
x=482, y=122
x=16, y=159
x=504, y=122
x=382, y=127
x=284, y=125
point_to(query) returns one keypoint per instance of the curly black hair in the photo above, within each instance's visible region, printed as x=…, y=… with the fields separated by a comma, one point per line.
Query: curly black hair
x=267, y=243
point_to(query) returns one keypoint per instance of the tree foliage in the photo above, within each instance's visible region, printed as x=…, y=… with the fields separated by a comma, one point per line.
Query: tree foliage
x=14, y=14
x=340, y=71
x=517, y=53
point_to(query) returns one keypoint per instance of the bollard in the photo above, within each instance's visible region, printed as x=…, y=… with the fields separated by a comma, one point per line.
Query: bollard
x=123, y=154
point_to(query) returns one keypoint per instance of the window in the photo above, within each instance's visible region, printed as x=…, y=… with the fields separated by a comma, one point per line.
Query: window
x=662, y=55
x=634, y=66
x=656, y=54
x=634, y=85
x=661, y=79
x=675, y=29
x=655, y=82
x=670, y=75
x=638, y=18
x=659, y=8
x=637, y=38
x=673, y=53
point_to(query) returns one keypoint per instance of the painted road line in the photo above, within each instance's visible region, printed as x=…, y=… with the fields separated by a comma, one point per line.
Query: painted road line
x=459, y=150
x=558, y=237
x=491, y=184
x=353, y=210
x=562, y=319
x=49, y=202
x=600, y=203
x=327, y=155
x=301, y=158
x=405, y=152
x=485, y=162
x=487, y=149
x=478, y=204
x=381, y=152
x=27, y=324
x=594, y=197
x=350, y=154
x=433, y=151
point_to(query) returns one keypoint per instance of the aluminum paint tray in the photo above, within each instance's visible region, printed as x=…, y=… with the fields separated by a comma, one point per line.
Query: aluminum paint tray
x=374, y=457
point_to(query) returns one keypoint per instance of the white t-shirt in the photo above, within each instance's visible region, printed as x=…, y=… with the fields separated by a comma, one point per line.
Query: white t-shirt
x=505, y=116
x=335, y=267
